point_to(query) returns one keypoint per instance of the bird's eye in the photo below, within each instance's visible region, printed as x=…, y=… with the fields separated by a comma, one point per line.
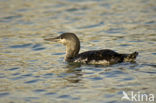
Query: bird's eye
x=61, y=37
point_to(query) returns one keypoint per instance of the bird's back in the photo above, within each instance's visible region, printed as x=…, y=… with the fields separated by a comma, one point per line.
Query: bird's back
x=104, y=57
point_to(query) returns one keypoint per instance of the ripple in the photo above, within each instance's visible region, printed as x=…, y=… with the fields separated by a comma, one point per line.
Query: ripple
x=150, y=72
x=31, y=98
x=152, y=65
x=27, y=75
x=21, y=45
x=37, y=47
x=75, y=98
x=49, y=74
x=15, y=74
x=96, y=69
x=115, y=30
x=39, y=90
x=135, y=41
x=96, y=78
x=12, y=17
x=76, y=9
x=127, y=79
x=150, y=22
x=32, y=81
x=64, y=96
x=58, y=54
x=125, y=45
x=91, y=26
x=9, y=18
x=50, y=93
x=12, y=69
x=154, y=53
x=4, y=94
x=21, y=10
x=113, y=73
x=72, y=9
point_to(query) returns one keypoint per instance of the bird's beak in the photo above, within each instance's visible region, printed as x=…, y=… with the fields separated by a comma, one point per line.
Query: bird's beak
x=56, y=39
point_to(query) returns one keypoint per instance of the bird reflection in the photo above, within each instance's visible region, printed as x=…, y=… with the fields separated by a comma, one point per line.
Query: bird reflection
x=74, y=72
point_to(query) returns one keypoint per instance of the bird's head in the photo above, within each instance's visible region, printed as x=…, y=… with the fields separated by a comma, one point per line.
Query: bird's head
x=65, y=38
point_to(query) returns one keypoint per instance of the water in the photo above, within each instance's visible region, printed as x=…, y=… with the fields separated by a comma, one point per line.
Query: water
x=33, y=71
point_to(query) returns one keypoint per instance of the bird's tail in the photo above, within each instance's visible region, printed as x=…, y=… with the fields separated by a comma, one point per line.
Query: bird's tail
x=131, y=57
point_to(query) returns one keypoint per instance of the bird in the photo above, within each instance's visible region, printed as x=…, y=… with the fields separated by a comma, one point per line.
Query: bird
x=101, y=57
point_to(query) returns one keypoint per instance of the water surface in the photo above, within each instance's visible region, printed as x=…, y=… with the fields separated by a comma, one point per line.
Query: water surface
x=33, y=71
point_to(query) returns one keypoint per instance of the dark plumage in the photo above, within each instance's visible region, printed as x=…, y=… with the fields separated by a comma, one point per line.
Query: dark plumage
x=104, y=56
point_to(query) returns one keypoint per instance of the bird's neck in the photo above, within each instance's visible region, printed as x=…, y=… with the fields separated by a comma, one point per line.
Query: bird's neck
x=72, y=50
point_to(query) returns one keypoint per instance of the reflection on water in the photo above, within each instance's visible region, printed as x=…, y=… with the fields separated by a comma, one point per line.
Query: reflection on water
x=33, y=70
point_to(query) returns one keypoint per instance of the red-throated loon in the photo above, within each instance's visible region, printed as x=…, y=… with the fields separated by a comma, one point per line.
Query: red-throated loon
x=104, y=56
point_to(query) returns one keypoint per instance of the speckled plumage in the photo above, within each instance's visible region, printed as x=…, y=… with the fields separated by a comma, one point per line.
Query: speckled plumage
x=104, y=56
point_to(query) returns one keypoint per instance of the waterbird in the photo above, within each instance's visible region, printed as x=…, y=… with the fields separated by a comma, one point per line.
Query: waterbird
x=102, y=57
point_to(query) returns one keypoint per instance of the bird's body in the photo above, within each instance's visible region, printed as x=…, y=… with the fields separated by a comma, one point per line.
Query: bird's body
x=104, y=56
